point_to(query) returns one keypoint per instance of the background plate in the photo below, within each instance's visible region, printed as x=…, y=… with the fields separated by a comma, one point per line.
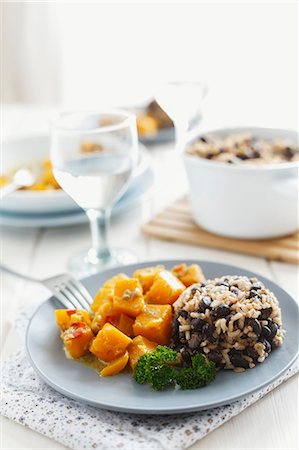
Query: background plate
x=121, y=392
x=27, y=150
x=138, y=188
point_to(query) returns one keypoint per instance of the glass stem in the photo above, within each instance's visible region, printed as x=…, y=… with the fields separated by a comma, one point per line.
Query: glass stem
x=99, y=224
x=181, y=127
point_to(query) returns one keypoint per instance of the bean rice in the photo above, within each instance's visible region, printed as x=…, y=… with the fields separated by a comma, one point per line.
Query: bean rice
x=234, y=320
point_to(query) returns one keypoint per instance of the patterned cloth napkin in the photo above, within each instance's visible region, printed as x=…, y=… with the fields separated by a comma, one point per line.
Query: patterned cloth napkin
x=30, y=402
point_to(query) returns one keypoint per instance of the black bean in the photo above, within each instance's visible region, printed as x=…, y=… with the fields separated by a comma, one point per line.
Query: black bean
x=251, y=352
x=184, y=314
x=197, y=324
x=266, y=332
x=194, y=342
x=235, y=352
x=203, y=139
x=175, y=331
x=265, y=313
x=274, y=328
x=175, y=326
x=267, y=345
x=253, y=293
x=221, y=311
x=223, y=283
x=205, y=304
x=215, y=356
x=256, y=154
x=256, y=286
x=239, y=361
x=182, y=337
x=255, y=325
x=203, y=284
x=234, y=290
x=207, y=332
x=289, y=152
x=186, y=357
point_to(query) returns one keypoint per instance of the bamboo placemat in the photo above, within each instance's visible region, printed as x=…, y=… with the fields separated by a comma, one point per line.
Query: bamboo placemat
x=175, y=223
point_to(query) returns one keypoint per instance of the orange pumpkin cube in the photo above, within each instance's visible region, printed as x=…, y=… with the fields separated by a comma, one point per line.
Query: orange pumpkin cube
x=139, y=347
x=106, y=292
x=128, y=297
x=147, y=275
x=165, y=289
x=77, y=339
x=116, y=366
x=67, y=317
x=110, y=343
x=155, y=323
x=123, y=323
x=188, y=274
x=104, y=311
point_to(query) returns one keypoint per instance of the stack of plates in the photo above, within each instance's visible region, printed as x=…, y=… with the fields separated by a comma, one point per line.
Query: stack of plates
x=56, y=208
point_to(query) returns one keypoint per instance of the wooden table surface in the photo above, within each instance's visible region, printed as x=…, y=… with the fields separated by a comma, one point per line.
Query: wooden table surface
x=271, y=423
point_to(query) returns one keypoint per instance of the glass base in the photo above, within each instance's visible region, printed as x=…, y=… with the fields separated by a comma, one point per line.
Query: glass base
x=83, y=264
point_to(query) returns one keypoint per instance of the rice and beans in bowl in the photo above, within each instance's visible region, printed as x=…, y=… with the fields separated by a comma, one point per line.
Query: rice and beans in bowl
x=244, y=148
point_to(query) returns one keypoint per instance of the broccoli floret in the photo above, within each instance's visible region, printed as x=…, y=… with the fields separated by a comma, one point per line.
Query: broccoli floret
x=154, y=368
x=187, y=378
x=159, y=369
x=201, y=373
x=204, y=368
x=161, y=377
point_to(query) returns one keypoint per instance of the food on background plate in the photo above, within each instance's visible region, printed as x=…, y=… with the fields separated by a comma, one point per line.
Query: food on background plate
x=153, y=119
x=45, y=180
x=244, y=149
x=173, y=330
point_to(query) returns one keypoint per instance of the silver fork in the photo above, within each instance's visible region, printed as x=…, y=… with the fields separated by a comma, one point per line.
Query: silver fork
x=70, y=292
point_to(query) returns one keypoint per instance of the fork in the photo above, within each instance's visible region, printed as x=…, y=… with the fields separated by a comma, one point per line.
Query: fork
x=70, y=292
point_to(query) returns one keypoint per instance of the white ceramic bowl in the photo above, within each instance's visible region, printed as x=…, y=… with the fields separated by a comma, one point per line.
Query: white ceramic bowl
x=244, y=201
x=26, y=150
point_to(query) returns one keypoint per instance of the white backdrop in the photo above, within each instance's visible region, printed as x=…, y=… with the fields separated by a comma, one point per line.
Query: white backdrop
x=93, y=54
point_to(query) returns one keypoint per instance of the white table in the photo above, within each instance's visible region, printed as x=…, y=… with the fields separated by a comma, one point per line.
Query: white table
x=270, y=423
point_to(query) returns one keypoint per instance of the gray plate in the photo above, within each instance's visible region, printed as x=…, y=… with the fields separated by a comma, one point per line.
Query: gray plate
x=121, y=392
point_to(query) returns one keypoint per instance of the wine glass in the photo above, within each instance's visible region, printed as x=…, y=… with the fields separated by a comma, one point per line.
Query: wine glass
x=182, y=101
x=94, y=155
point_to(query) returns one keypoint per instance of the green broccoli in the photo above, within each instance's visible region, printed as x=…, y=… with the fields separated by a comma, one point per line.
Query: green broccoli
x=160, y=369
x=201, y=373
x=154, y=368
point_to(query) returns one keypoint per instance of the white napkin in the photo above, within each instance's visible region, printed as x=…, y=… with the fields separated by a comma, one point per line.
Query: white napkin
x=30, y=402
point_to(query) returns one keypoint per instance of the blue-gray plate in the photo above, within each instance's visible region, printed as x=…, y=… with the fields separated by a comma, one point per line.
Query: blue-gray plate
x=121, y=392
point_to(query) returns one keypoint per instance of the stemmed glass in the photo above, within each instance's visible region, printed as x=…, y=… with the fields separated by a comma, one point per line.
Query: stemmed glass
x=182, y=101
x=94, y=155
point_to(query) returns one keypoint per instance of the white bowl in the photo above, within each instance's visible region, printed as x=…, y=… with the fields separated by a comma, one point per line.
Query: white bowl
x=26, y=150
x=244, y=201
